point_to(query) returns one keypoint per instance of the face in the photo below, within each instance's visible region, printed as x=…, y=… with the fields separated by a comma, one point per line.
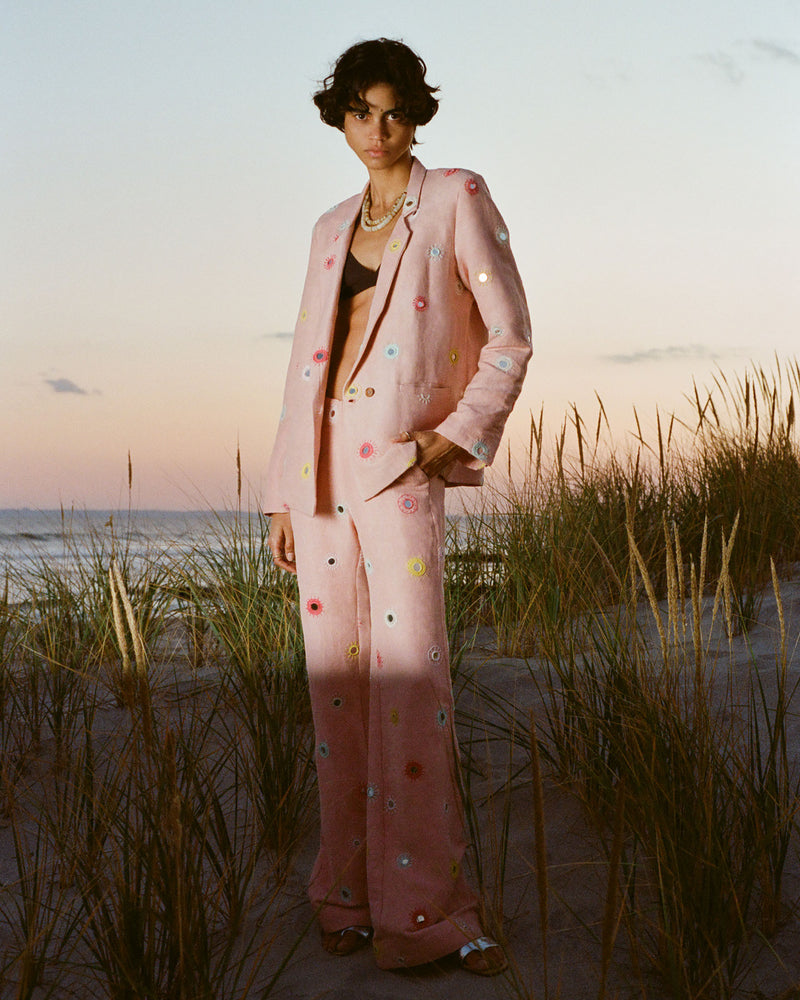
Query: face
x=380, y=137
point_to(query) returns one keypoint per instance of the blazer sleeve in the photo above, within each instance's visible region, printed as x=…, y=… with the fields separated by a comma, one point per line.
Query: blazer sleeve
x=501, y=327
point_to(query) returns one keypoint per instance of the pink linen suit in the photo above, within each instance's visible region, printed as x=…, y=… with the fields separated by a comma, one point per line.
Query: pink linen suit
x=445, y=349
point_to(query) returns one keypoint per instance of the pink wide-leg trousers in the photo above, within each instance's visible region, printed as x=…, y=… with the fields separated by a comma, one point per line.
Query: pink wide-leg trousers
x=372, y=605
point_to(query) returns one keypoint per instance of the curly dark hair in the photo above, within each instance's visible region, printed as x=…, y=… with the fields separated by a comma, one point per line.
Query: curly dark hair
x=381, y=60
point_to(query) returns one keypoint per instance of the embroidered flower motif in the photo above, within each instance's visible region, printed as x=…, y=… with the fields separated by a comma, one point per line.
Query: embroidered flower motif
x=368, y=565
x=407, y=503
x=352, y=391
x=346, y=894
x=367, y=450
x=305, y=471
x=411, y=202
x=450, y=171
x=372, y=792
x=441, y=718
x=504, y=363
x=435, y=252
x=352, y=650
x=435, y=654
x=420, y=304
x=419, y=918
x=356, y=841
x=496, y=331
x=331, y=561
x=390, y=618
x=304, y=315
x=404, y=861
x=480, y=450
x=455, y=868
x=343, y=225
x=314, y=606
x=471, y=185
x=391, y=351
x=484, y=276
x=341, y=509
x=501, y=235
x=454, y=357
x=424, y=397
x=413, y=770
x=324, y=750
x=306, y=373
x=329, y=262
x=378, y=660
x=394, y=246
x=320, y=356
x=391, y=805
x=337, y=702
x=394, y=717
x=416, y=567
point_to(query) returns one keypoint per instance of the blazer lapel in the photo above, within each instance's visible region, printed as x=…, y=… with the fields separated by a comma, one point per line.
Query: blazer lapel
x=392, y=256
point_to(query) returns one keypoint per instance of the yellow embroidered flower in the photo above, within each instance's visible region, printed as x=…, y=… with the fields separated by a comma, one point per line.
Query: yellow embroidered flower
x=416, y=567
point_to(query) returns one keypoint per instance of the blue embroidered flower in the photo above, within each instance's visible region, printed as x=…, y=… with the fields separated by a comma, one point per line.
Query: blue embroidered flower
x=391, y=351
x=372, y=792
x=324, y=750
x=441, y=717
x=346, y=894
x=435, y=252
x=404, y=861
x=352, y=391
x=496, y=331
x=306, y=373
x=501, y=235
x=504, y=363
x=481, y=450
x=435, y=654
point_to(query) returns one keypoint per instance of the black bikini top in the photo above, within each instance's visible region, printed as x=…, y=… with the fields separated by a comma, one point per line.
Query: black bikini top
x=356, y=277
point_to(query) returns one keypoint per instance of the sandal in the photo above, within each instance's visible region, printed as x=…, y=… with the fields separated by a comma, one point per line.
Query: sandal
x=483, y=945
x=346, y=941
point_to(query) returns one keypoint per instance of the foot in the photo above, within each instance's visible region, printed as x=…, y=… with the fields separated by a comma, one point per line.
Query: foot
x=346, y=941
x=483, y=957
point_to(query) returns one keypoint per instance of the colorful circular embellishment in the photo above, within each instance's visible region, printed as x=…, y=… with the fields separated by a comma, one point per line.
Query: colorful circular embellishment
x=501, y=235
x=368, y=566
x=496, y=331
x=455, y=869
x=454, y=357
x=413, y=770
x=346, y=894
x=471, y=185
x=450, y=171
x=320, y=356
x=329, y=262
x=304, y=315
x=390, y=618
x=330, y=561
x=420, y=303
x=391, y=351
x=341, y=509
x=394, y=717
x=504, y=363
x=314, y=606
x=435, y=252
x=419, y=918
x=416, y=567
x=352, y=391
x=367, y=450
x=324, y=750
x=306, y=373
x=435, y=654
x=441, y=718
x=394, y=246
x=305, y=471
x=372, y=792
x=407, y=503
x=391, y=805
x=484, y=276
x=404, y=861
x=337, y=702
x=352, y=649
x=481, y=450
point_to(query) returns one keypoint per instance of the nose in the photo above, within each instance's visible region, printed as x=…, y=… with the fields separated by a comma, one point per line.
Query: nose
x=379, y=129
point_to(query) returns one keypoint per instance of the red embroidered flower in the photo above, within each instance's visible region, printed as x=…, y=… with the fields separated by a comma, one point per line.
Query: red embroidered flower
x=314, y=606
x=407, y=503
x=320, y=355
x=420, y=303
x=413, y=770
x=367, y=450
x=328, y=263
x=450, y=171
x=471, y=185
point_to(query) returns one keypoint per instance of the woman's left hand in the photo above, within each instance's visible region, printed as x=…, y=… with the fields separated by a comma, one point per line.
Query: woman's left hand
x=434, y=452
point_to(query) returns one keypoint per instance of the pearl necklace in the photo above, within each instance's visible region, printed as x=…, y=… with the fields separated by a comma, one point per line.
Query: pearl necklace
x=373, y=225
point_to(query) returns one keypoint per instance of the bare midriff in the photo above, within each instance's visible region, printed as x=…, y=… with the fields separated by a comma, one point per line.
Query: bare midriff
x=351, y=320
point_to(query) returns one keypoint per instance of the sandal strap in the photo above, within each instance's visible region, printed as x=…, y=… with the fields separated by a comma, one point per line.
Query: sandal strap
x=364, y=932
x=477, y=944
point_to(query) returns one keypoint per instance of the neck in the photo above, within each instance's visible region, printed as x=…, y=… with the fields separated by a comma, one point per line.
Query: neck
x=386, y=185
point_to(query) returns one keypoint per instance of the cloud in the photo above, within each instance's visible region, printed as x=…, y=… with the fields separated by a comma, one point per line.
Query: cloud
x=775, y=51
x=677, y=352
x=726, y=64
x=65, y=385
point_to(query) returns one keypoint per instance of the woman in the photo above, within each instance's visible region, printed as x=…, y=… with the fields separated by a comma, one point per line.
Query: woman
x=409, y=351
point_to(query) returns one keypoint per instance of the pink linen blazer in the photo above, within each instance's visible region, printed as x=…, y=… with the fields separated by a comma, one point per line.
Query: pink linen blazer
x=445, y=348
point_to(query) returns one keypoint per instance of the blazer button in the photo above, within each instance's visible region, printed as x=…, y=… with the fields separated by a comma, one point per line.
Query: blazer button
x=369, y=391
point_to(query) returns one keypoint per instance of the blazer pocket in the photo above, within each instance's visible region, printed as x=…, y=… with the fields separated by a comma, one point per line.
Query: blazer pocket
x=423, y=406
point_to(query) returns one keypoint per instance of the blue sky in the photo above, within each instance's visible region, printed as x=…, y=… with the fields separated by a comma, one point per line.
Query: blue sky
x=162, y=166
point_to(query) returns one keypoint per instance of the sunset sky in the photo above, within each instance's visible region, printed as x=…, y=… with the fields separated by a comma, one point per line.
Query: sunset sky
x=162, y=166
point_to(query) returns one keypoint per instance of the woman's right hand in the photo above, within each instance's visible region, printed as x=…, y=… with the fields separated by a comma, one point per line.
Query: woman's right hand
x=281, y=541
